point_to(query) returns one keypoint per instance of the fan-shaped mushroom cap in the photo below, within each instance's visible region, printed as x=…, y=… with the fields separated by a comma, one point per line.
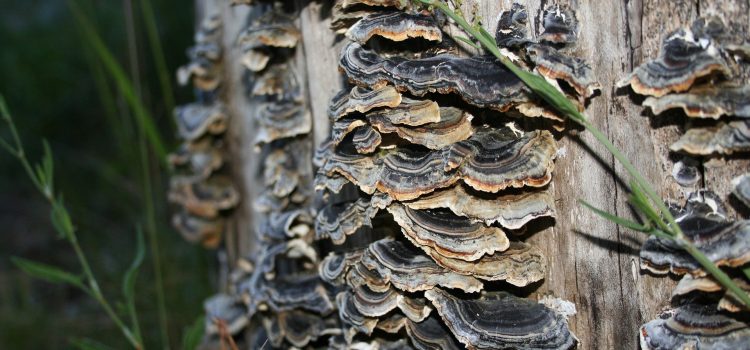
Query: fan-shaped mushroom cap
x=499, y=320
x=706, y=102
x=724, y=243
x=511, y=211
x=685, y=172
x=299, y=328
x=278, y=79
x=395, y=26
x=195, y=120
x=336, y=221
x=210, y=29
x=408, y=269
x=741, y=186
x=205, y=198
x=454, y=125
x=479, y=80
x=519, y=265
x=724, y=138
x=512, y=29
x=409, y=112
x=377, y=304
x=362, y=99
x=195, y=229
x=681, y=61
x=334, y=267
x=366, y=139
x=708, y=284
x=226, y=308
x=255, y=60
x=289, y=292
x=204, y=73
x=448, y=234
x=693, y=326
x=285, y=225
x=270, y=31
x=195, y=161
x=431, y=334
x=351, y=317
x=360, y=275
x=554, y=64
x=279, y=120
x=560, y=25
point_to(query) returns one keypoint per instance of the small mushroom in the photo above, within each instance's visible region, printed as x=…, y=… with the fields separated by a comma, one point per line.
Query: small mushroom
x=337, y=221
x=408, y=269
x=395, y=26
x=555, y=65
x=431, y=334
x=512, y=28
x=361, y=99
x=694, y=326
x=519, y=265
x=706, y=102
x=204, y=73
x=495, y=159
x=227, y=309
x=724, y=243
x=205, y=198
x=560, y=25
x=685, y=172
x=378, y=304
x=724, y=138
x=334, y=267
x=286, y=225
x=454, y=126
x=479, y=80
x=447, y=234
x=195, y=229
x=366, y=139
x=279, y=120
x=196, y=161
x=297, y=291
x=741, y=186
x=499, y=320
x=409, y=112
x=681, y=61
x=195, y=120
x=511, y=211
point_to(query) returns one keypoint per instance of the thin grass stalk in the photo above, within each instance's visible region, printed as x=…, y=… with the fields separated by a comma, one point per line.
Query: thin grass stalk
x=157, y=52
x=44, y=185
x=558, y=101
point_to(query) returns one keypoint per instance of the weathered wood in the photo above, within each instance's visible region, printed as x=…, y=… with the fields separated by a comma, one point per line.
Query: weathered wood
x=592, y=262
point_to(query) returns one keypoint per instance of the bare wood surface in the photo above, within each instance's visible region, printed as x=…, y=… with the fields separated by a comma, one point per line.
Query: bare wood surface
x=592, y=262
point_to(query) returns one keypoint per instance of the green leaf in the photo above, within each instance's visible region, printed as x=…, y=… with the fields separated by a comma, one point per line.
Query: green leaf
x=61, y=219
x=193, y=335
x=469, y=42
x=128, y=281
x=48, y=165
x=47, y=273
x=488, y=36
x=88, y=344
x=616, y=219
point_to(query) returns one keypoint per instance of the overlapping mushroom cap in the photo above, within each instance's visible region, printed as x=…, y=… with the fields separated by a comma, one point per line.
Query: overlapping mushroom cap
x=395, y=26
x=694, y=325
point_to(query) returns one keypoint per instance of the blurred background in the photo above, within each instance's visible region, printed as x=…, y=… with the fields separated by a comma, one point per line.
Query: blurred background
x=58, y=87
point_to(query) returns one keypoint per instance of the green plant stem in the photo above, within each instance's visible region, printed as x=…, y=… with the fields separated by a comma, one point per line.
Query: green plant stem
x=93, y=286
x=147, y=11
x=563, y=105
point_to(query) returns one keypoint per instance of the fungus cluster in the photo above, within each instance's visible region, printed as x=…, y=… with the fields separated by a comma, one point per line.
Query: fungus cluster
x=428, y=182
x=197, y=186
x=698, y=72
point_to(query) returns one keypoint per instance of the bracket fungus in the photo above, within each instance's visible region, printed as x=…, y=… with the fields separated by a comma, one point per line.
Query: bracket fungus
x=741, y=190
x=205, y=198
x=195, y=120
x=693, y=326
x=395, y=26
x=499, y=320
x=706, y=102
x=723, y=138
x=512, y=28
x=560, y=25
x=361, y=100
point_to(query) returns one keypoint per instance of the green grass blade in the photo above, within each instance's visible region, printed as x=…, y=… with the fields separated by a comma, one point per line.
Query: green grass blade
x=88, y=344
x=193, y=335
x=157, y=52
x=616, y=219
x=125, y=85
x=128, y=284
x=47, y=273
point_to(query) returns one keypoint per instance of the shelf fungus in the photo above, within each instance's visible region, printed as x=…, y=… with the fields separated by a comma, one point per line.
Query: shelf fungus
x=337, y=221
x=725, y=243
x=195, y=120
x=554, y=64
x=362, y=100
x=741, y=190
x=430, y=334
x=205, y=231
x=724, y=138
x=377, y=304
x=707, y=284
x=281, y=120
x=334, y=267
x=228, y=310
x=409, y=270
x=682, y=60
x=710, y=102
x=512, y=28
x=480, y=80
x=499, y=320
x=195, y=161
x=447, y=234
x=272, y=30
x=694, y=326
x=299, y=328
x=205, y=198
x=395, y=26
x=454, y=126
x=511, y=211
x=560, y=25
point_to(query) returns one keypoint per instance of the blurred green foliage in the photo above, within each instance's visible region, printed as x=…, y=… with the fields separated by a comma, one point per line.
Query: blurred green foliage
x=49, y=83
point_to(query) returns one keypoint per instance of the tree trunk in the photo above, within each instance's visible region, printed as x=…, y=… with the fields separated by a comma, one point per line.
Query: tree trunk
x=591, y=262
